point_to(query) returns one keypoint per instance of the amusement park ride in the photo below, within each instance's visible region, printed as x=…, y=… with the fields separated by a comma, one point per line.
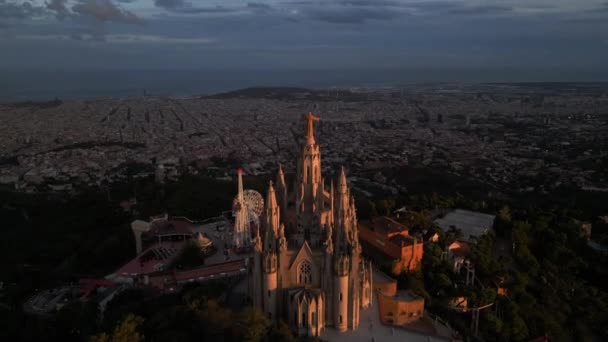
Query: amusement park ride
x=247, y=207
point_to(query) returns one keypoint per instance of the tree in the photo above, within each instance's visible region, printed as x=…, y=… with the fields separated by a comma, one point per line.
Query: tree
x=252, y=325
x=490, y=324
x=125, y=331
x=504, y=214
x=281, y=332
x=191, y=256
x=385, y=206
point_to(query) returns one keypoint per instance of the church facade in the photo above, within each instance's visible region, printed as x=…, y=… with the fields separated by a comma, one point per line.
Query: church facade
x=307, y=268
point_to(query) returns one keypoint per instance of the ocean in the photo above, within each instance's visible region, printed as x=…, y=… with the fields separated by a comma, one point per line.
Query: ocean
x=45, y=84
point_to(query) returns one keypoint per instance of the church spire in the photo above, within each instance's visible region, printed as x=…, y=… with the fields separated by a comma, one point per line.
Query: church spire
x=242, y=235
x=310, y=134
x=240, y=182
x=272, y=220
x=281, y=190
x=342, y=184
x=257, y=241
x=343, y=212
x=280, y=176
x=343, y=193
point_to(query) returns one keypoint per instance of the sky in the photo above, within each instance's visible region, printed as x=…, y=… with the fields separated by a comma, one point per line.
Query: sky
x=183, y=34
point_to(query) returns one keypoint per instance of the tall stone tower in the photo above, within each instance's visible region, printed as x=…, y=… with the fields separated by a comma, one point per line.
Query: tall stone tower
x=271, y=225
x=311, y=198
x=313, y=277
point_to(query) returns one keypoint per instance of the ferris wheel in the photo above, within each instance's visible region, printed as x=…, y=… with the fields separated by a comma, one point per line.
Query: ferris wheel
x=247, y=208
x=252, y=200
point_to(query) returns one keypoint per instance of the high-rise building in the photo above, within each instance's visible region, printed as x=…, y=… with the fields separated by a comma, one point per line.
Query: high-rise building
x=307, y=268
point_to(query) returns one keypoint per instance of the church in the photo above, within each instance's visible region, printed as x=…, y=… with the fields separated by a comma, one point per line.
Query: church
x=307, y=268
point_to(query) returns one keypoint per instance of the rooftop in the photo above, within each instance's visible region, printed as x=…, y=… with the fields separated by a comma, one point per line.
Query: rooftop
x=472, y=224
x=166, y=280
x=154, y=258
x=171, y=227
x=385, y=225
x=406, y=295
x=401, y=240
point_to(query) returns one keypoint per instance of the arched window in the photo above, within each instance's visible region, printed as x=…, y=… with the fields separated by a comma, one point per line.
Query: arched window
x=305, y=273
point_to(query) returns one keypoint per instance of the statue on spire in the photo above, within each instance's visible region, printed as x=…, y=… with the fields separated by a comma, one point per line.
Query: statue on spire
x=310, y=134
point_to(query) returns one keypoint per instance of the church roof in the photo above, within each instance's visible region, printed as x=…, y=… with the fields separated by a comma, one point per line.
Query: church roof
x=303, y=253
x=306, y=294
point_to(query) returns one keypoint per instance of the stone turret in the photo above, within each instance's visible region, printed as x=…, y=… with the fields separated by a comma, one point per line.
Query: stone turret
x=282, y=241
x=272, y=226
x=342, y=219
x=271, y=219
x=328, y=275
x=256, y=285
x=341, y=293
x=281, y=190
x=269, y=293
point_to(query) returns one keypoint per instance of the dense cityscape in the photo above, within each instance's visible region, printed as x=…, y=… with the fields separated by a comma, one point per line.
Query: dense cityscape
x=505, y=136
x=451, y=184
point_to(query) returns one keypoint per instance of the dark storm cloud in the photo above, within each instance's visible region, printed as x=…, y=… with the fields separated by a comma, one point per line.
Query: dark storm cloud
x=431, y=5
x=258, y=5
x=59, y=8
x=105, y=10
x=381, y=3
x=260, y=8
x=480, y=10
x=12, y=10
x=171, y=4
x=601, y=9
x=350, y=15
x=217, y=9
x=256, y=33
x=186, y=7
x=604, y=8
x=375, y=3
x=359, y=11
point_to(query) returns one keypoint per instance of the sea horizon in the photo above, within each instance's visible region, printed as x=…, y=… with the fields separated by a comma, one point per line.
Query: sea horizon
x=72, y=84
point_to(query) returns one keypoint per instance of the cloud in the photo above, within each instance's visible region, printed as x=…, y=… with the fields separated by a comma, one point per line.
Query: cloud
x=105, y=10
x=376, y=3
x=478, y=10
x=353, y=15
x=258, y=5
x=186, y=7
x=158, y=39
x=604, y=7
x=171, y=4
x=435, y=6
x=118, y=38
x=13, y=10
x=216, y=9
x=59, y=7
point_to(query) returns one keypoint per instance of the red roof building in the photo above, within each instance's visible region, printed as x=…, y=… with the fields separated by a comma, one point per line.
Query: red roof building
x=387, y=241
